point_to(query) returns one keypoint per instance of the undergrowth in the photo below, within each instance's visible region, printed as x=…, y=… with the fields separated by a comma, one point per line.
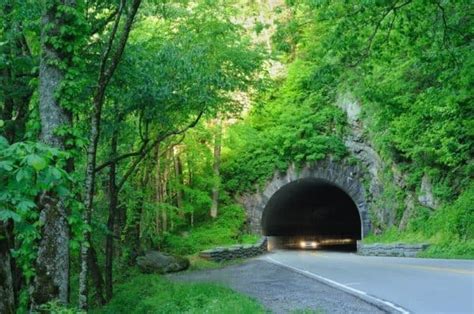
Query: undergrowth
x=154, y=294
x=226, y=229
x=449, y=231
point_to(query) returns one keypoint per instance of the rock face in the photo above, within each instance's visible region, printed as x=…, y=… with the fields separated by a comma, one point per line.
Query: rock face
x=158, y=262
x=235, y=251
x=397, y=249
x=426, y=197
x=358, y=145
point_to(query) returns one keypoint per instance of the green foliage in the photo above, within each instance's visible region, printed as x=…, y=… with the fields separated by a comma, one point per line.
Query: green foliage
x=410, y=65
x=54, y=307
x=226, y=229
x=163, y=296
x=450, y=230
x=177, y=67
x=26, y=171
x=456, y=218
x=294, y=124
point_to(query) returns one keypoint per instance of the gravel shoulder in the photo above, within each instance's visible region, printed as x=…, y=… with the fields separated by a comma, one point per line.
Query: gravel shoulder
x=279, y=289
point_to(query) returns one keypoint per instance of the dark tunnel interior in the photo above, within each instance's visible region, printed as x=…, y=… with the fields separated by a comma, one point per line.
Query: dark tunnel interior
x=311, y=208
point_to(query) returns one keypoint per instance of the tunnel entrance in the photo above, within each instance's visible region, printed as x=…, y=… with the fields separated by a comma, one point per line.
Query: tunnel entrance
x=310, y=213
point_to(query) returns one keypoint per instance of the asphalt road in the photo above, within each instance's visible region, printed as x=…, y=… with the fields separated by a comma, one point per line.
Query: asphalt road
x=404, y=284
x=281, y=290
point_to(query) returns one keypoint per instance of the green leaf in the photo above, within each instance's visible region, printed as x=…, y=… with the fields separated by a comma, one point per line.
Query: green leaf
x=3, y=142
x=62, y=191
x=6, y=214
x=23, y=173
x=6, y=165
x=25, y=205
x=37, y=162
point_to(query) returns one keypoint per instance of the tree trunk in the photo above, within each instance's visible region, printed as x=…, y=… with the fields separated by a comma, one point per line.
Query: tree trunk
x=14, y=114
x=178, y=171
x=8, y=106
x=14, y=80
x=113, y=201
x=190, y=184
x=17, y=273
x=7, y=296
x=216, y=168
x=158, y=190
x=108, y=66
x=136, y=228
x=96, y=276
x=164, y=194
x=52, y=262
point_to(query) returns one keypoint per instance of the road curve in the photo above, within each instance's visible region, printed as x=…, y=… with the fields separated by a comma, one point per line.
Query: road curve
x=408, y=284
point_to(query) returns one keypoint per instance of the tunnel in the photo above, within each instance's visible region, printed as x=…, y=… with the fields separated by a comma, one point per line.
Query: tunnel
x=313, y=209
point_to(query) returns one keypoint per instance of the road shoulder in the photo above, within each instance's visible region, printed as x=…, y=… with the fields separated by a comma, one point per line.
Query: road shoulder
x=280, y=289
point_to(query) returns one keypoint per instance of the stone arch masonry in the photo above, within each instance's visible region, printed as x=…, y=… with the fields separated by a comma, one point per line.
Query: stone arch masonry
x=346, y=176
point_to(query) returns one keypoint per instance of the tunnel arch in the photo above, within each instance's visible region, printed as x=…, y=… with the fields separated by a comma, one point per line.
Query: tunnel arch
x=341, y=176
x=311, y=207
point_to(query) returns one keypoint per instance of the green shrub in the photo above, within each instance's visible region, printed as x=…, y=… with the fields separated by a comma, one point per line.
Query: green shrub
x=154, y=294
x=226, y=229
x=54, y=307
x=296, y=122
x=450, y=230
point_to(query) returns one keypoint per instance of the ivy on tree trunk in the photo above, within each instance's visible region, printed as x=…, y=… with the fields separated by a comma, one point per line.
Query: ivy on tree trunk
x=52, y=263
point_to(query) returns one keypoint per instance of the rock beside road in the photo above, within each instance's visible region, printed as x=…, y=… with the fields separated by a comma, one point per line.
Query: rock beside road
x=162, y=263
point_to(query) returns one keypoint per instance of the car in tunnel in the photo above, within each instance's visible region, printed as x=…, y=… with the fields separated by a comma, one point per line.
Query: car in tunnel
x=308, y=244
x=311, y=243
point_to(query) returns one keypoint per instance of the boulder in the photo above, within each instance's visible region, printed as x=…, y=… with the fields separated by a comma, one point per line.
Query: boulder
x=159, y=262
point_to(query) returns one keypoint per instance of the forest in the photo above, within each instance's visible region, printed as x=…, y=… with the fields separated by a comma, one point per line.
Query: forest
x=128, y=125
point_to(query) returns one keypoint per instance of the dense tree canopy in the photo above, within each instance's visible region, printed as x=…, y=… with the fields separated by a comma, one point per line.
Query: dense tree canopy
x=133, y=124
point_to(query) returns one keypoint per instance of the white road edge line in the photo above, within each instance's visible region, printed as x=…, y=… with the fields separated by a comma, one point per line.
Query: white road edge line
x=340, y=285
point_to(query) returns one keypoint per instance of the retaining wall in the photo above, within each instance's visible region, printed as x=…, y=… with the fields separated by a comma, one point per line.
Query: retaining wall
x=392, y=249
x=236, y=251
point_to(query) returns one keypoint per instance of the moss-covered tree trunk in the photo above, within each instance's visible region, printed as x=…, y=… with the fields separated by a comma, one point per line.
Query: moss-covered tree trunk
x=52, y=263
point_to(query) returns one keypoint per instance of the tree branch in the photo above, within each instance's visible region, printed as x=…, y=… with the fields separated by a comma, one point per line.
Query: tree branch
x=144, y=146
x=115, y=59
x=102, y=24
x=393, y=8
x=445, y=32
x=445, y=23
x=119, y=158
x=158, y=140
x=110, y=42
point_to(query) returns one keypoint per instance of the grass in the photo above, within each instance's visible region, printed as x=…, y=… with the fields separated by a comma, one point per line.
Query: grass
x=449, y=230
x=155, y=294
x=199, y=263
x=250, y=238
x=442, y=245
x=225, y=230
